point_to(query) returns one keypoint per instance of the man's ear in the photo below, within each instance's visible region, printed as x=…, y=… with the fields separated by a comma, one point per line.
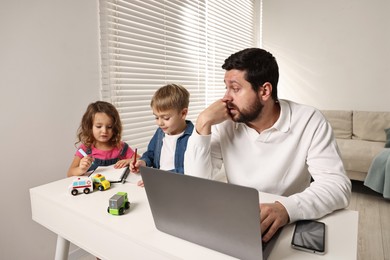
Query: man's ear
x=265, y=91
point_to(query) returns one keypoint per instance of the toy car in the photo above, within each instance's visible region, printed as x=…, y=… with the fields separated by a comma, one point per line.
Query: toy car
x=81, y=184
x=100, y=182
x=118, y=204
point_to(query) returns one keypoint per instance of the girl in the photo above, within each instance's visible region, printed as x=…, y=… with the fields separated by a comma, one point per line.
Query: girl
x=100, y=134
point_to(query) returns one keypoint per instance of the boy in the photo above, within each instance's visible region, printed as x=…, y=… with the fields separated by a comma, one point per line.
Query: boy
x=167, y=147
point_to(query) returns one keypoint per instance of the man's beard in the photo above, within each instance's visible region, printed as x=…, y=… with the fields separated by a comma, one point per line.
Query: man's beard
x=247, y=115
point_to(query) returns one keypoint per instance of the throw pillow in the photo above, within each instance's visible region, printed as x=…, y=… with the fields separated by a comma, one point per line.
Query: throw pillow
x=387, y=145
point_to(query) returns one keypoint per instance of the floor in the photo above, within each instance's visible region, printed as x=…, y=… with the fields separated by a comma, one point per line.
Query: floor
x=374, y=224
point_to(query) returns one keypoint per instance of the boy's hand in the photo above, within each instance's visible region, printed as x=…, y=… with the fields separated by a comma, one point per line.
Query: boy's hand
x=140, y=183
x=214, y=114
x=135, y=167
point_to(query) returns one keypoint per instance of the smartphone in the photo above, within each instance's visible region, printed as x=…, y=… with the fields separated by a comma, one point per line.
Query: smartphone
x=309, y=236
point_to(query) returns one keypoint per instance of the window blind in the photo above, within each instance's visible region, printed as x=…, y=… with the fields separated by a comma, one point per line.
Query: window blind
x=148, y=44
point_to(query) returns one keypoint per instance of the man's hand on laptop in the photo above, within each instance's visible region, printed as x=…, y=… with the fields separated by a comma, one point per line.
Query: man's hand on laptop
x=272, y=217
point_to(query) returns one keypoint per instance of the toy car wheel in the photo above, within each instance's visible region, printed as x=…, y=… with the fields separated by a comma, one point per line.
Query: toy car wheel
x=101, y=188
x=86, y=190
x=121, y=211
x=74, y=192
x=127, y=205
x=108, y=209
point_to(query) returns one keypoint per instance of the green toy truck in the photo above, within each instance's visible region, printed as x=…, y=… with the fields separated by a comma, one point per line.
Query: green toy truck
x=118, y=204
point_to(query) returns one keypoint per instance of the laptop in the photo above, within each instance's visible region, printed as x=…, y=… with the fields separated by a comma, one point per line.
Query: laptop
x=220, y=216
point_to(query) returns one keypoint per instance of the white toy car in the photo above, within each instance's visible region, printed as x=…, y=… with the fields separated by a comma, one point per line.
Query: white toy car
x=81, y=184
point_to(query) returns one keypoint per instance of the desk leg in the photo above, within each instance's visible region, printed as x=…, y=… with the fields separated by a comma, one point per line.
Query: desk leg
x=62, y=249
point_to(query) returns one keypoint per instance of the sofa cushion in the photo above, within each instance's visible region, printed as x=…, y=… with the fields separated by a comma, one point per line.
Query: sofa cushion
x=357, y=155
x=341, y=122
x=369, y=125
x=387, y=145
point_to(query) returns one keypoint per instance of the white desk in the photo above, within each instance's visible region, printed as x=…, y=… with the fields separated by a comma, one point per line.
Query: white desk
x=84, y=221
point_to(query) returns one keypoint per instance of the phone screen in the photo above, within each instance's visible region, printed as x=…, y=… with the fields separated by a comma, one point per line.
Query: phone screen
x=309, y=235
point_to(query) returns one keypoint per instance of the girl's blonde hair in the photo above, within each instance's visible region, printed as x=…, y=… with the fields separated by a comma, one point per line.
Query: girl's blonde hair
x=171, y=96
x=84, y=132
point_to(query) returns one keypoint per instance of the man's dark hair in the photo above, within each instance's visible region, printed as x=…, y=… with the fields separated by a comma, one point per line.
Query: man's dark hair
x=260, y=67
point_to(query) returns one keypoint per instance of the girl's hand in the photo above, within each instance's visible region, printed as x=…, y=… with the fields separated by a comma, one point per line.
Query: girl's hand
x=122, y=163
x=85, y=163
x=135, y=167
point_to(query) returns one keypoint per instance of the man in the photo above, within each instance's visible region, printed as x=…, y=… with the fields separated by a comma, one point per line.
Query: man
x=276, y=146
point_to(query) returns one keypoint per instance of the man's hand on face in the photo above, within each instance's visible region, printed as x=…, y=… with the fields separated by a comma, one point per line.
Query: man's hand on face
x=214, y=114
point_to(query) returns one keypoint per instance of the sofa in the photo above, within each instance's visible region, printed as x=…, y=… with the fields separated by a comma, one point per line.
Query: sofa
x=360, y=135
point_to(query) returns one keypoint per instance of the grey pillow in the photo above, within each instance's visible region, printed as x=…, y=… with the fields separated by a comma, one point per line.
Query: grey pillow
x=387, y=145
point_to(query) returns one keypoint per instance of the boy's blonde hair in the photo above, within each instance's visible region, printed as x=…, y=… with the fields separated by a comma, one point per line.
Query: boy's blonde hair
x=171, y=96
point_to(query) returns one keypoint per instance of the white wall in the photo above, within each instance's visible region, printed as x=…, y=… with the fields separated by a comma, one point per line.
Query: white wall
x=49, y=73
x=332, y=54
